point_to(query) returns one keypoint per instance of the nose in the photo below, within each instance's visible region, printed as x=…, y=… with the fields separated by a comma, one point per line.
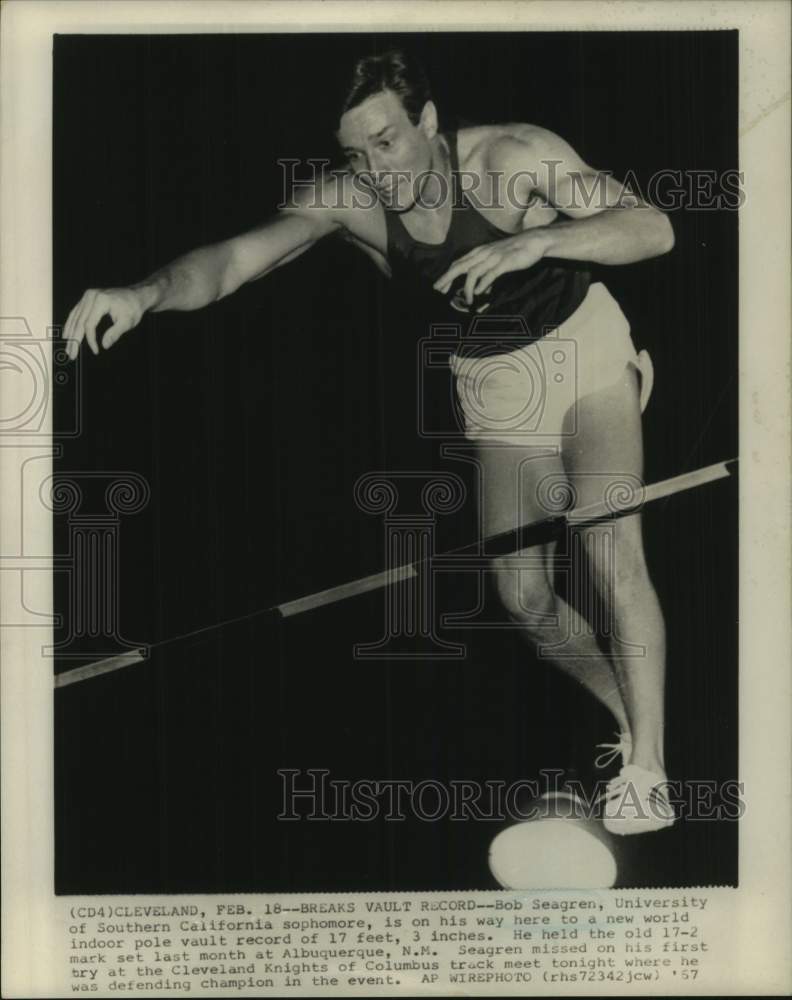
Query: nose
x=370, y=168
x=377, y=164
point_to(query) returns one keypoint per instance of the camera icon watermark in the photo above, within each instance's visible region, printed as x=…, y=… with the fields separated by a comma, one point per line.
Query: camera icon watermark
x=508, y=385
x=33, y=369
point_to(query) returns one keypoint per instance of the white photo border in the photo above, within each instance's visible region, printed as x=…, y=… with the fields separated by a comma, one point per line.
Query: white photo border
x=761, y=906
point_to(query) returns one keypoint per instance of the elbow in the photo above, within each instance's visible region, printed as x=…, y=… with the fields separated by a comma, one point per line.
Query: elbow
x=665, y=234
x=653, y=234
x=225, y=286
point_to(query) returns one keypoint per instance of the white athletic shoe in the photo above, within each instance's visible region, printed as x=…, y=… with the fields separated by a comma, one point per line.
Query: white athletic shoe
x=636, y=802
x=611, y=751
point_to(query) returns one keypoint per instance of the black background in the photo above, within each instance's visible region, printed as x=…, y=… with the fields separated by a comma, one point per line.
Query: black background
x=252, y=419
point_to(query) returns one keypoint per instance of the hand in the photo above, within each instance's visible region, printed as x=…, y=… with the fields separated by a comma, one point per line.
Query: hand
x=486, y=263
x=124, y=306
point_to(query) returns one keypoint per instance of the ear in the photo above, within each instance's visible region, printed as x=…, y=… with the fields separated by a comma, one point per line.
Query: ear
x=427, y=123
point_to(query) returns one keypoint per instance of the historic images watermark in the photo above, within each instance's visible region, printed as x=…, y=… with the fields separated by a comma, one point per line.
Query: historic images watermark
x=313, y=183
x=312, y=794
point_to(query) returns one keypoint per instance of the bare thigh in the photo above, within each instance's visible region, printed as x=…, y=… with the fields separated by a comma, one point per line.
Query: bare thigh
x=603, y=460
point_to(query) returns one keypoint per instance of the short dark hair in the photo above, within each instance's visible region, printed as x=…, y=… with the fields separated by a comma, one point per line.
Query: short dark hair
x=394, y=70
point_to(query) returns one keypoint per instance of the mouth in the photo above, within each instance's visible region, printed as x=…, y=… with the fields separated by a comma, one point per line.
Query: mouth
x=389, y=197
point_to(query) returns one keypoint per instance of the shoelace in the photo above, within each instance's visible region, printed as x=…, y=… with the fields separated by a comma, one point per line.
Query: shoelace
x=623, y=746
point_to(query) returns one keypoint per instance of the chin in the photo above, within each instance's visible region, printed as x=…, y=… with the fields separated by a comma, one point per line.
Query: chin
x=397, y=203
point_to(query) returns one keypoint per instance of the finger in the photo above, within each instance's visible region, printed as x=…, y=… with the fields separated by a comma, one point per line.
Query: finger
x=459, y=267
x=71, y=323
x=65, y=333
x=444, y=283
x=98, y=310
x=77, y=331
x=455, y=271
x=114, y=333
x=473, y=255
x=484, y=283
x=470, y=281
x=68, y=327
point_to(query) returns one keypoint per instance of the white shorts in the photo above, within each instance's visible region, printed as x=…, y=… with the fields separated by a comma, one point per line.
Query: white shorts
x=523, y=397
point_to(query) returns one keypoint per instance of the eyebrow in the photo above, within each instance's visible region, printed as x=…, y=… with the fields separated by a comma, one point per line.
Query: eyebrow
x=375, y=135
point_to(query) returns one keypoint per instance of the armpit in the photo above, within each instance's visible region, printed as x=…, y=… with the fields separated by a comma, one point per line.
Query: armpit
x=538, y=213
x=379, y=259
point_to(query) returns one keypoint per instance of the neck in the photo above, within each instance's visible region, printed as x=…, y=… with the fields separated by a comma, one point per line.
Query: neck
x=436, y=189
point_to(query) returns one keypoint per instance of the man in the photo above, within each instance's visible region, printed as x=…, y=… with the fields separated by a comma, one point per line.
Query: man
x=475, y=216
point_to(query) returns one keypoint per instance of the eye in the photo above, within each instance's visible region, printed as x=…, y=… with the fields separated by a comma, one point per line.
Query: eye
x=384, y=144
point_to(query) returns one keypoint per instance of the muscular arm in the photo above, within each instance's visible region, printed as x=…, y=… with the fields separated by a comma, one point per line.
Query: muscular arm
x=212, y=272
x=206, y=274
x=605, y=223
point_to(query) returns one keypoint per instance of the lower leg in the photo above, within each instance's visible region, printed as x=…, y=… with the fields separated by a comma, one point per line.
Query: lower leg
x=639, y=628
x=561, y=637
x=583, y=660
x=604, y=457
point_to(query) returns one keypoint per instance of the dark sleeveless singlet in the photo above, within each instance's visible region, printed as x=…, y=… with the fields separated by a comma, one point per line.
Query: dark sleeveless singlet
x=527, y=303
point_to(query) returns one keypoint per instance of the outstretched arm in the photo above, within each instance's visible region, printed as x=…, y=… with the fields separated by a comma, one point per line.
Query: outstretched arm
x=605, y=223
x=199, y=277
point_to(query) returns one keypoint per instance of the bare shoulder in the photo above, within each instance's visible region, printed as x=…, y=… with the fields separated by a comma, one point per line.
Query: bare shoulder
x=510, y=146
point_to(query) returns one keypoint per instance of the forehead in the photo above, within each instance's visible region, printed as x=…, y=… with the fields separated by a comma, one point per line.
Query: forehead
x=370, y=117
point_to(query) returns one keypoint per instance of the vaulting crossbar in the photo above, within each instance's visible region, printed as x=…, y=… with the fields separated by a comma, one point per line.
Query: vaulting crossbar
x=521, y=537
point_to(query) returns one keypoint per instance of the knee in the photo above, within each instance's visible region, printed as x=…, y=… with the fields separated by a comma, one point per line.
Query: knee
x=526, y=596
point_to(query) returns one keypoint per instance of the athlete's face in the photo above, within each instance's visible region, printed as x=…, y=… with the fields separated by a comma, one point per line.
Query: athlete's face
x=382, y=144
